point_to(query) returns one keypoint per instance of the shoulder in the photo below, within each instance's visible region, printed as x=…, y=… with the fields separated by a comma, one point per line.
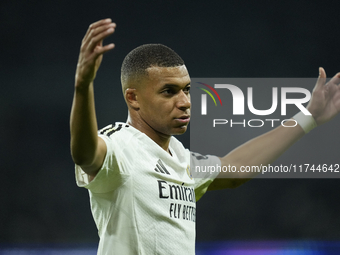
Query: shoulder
x=119, y=130
x=115, y=136
x=120, y=136
x=112, y=128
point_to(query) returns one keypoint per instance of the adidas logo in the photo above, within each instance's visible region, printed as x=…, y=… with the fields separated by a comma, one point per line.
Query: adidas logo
x=160, y=168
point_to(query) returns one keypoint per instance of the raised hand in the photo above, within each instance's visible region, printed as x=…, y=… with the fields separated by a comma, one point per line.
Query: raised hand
x=325, y=102
x=92, y=50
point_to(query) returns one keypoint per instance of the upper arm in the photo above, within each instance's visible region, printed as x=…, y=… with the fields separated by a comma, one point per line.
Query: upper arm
x=98, y=160
x=200, y=165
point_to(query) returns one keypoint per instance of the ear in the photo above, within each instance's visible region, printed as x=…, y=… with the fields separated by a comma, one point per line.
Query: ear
x=131, y=98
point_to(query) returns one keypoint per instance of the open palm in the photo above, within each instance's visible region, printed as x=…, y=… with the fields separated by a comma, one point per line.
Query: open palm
x=325, y=102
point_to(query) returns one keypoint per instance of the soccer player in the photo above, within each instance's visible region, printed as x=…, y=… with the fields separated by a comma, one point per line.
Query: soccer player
x=138, y=175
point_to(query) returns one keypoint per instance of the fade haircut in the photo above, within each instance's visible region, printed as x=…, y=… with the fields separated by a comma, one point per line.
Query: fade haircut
x=145, y=56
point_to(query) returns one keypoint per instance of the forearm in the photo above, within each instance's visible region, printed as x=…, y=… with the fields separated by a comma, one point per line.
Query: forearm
x=263, y=149
x=83, y=125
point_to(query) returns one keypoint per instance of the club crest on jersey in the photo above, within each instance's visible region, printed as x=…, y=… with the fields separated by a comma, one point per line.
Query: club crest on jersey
x=189, y=172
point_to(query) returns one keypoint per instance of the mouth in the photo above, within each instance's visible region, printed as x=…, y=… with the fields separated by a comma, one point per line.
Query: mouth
x=184, y=119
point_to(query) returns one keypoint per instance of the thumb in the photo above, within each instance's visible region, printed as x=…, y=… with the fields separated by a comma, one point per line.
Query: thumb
x=321, y=79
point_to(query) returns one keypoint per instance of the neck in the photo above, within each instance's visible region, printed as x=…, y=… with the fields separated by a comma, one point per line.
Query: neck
x=161, y=139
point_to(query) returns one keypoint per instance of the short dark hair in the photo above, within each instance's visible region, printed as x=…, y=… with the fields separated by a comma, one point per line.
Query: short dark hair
x=147, y=55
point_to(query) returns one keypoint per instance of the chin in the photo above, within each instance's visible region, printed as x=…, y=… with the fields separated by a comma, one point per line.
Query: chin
x=180, y=130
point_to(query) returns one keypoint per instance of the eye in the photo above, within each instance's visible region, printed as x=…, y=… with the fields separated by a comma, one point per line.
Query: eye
x=169, y=92
x=187, y=89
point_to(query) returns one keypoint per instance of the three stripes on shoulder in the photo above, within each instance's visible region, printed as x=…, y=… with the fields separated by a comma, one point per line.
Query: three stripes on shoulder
x=110, y=129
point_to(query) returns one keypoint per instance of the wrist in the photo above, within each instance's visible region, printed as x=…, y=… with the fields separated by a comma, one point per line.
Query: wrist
x=307, y=122
x=82, y=84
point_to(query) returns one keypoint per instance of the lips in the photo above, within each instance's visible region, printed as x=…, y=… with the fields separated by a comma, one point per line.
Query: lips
x=183, y=119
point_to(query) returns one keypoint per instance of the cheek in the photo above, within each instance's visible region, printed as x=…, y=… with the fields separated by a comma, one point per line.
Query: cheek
x=157, y=110
x=167, y=108
x=161, y=113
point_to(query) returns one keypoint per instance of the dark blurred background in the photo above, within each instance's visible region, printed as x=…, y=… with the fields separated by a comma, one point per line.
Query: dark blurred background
x=40, y=41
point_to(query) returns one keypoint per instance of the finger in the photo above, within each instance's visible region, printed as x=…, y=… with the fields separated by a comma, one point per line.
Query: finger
x=99, y=34
x=102, y=28
x=97, y=24
x=104, y=49
x=100, y=22
x=336, y=79
x=321, y=79
x=98, y=39
x=97, y=29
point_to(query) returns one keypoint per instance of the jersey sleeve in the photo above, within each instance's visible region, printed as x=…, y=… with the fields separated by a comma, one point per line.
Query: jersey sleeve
x=107, y=177
x=201, y=166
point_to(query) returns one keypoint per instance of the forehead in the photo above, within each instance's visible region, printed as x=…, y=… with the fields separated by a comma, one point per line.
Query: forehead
x=168, y=75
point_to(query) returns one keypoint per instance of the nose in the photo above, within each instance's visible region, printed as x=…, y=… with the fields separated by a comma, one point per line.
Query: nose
x=183, y=102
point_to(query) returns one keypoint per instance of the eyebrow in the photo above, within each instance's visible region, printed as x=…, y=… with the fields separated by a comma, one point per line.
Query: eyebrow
x=173, y=86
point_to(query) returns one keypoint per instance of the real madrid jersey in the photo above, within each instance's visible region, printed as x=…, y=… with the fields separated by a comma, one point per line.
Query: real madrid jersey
x=143, y=199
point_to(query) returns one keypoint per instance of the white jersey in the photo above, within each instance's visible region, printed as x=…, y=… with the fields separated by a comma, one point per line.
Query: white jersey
x=143, y=199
